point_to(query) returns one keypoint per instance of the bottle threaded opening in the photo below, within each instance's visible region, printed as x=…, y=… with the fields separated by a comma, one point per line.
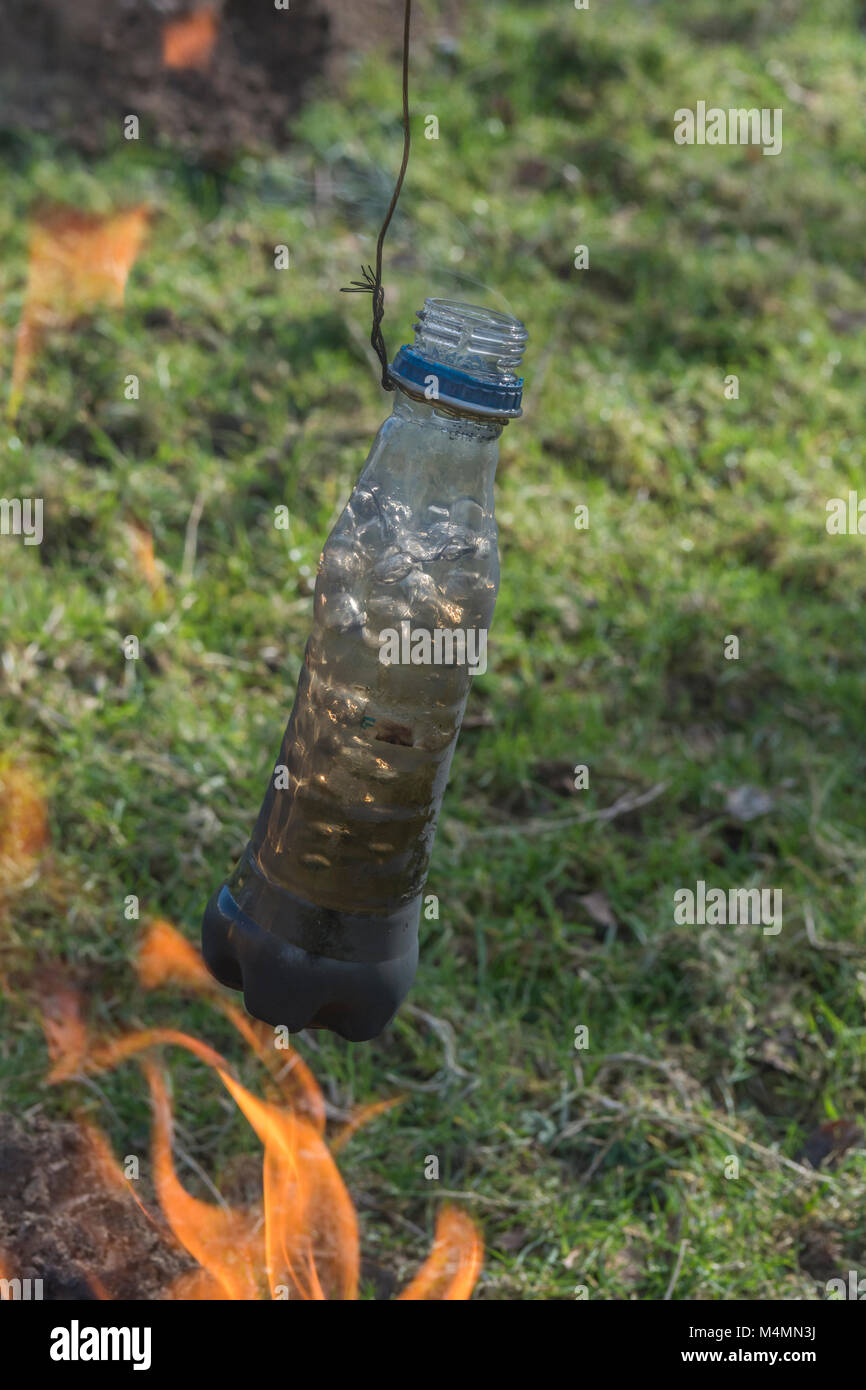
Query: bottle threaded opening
x=481, y=342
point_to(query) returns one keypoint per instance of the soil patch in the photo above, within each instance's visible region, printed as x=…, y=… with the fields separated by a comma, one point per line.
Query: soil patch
x=76, y=70
x=65, y=1221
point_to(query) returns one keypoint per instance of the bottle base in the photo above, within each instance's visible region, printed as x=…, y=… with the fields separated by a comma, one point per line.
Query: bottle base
x=285, y=983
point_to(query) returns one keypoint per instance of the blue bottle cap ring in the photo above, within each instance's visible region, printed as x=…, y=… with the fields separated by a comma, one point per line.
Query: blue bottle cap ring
x=494, y=400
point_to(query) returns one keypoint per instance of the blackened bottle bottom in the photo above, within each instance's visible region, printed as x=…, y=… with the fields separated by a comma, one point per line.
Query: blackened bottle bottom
x=304, y=966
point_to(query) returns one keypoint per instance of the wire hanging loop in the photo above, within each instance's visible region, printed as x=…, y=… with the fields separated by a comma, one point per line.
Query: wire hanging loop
x=371, y=281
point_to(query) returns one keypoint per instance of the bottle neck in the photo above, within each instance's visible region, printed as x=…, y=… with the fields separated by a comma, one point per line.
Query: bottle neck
x=451, y=422
x=425, y=458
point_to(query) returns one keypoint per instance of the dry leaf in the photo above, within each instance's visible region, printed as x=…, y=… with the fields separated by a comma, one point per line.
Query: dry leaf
x=77, y=260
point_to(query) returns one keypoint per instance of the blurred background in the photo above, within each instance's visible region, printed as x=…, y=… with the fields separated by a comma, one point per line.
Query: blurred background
x=166, y=386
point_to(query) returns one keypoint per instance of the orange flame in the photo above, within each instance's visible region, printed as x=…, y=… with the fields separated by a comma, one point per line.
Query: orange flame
x=77, y=260
x=452, y=1269
x=362, y=1116
x=23, y=827
x=221, y=1240
x=143, y=558
x=303, y=1242
x=166, y=957
x=311, y=1231
x=189, y=42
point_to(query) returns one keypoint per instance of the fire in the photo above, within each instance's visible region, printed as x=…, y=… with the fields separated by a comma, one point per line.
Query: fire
x=143, y=557
x=222, y=1241
x=455, y=1264
x=23, y=827
x=301, y=1242
x=77, y=260
x=165, y=957
x=189, y=42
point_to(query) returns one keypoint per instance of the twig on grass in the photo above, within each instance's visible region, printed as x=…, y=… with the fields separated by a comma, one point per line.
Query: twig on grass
x=362, y=1200
x=675, y=1274
x=693, y=1124
x=612, y=1058
x=446, y=1035
x=190, y=543
x=601, y=1156
x=186, y=1157
x=629, y=801
x=842, y=948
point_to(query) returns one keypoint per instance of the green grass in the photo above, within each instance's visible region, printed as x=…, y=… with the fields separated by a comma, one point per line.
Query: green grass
x=707, y=518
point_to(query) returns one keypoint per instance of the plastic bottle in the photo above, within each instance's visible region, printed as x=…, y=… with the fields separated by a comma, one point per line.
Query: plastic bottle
x=318, y=924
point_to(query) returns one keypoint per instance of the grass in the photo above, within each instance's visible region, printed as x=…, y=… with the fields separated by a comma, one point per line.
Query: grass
x=588, y=1169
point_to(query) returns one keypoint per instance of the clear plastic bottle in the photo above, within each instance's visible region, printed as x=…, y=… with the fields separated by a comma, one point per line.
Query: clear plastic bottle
x=318, y=924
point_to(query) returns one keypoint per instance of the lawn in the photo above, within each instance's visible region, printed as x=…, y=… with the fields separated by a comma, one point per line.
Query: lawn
x=670, y=1154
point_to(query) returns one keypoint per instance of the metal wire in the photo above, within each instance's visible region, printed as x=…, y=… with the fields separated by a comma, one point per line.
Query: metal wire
x=371, y=281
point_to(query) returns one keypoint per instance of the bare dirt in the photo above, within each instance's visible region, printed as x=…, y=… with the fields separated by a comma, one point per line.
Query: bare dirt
x=75, y=69
x=64, y=1221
